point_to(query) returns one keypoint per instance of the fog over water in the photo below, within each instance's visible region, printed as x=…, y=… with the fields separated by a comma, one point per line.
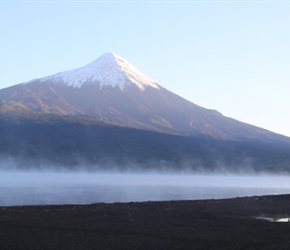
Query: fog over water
x=40, y=188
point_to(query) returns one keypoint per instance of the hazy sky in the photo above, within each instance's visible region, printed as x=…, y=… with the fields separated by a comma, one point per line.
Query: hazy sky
x=232, y=56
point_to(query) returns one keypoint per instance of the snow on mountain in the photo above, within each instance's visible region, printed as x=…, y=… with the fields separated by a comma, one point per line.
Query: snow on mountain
x=107, y=70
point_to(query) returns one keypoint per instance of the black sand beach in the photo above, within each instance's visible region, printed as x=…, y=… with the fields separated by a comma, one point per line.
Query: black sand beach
x=200, y=224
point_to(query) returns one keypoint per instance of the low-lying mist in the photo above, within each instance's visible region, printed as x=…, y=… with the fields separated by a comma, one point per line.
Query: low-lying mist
x=47, y=187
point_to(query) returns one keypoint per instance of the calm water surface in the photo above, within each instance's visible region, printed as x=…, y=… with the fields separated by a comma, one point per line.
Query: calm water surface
x=35, y=188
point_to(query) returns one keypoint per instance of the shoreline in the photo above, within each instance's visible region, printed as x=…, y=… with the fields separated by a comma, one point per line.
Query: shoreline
x=185, y=224
x=255, y=197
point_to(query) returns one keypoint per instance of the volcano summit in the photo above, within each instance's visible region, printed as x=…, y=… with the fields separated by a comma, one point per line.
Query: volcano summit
x=112, y=92
x=108, y=70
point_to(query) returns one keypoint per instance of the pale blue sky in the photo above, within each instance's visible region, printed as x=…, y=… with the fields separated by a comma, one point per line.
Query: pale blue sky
x=232, y=56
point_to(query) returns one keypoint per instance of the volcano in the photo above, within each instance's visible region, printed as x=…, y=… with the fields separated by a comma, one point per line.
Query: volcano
x=110, y=113
x=112, y=90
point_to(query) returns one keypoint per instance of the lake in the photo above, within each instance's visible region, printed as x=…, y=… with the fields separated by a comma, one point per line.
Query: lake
x=42, y=188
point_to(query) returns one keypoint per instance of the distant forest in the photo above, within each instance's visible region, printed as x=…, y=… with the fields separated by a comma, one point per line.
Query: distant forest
x=81, y=142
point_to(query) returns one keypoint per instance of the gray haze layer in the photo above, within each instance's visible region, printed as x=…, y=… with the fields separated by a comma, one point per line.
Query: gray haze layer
x=40, y=188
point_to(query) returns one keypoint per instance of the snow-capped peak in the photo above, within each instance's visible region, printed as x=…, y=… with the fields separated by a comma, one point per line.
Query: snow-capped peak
x=107, y=70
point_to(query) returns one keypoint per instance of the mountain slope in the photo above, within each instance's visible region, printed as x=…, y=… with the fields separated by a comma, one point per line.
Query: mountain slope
x=109, y=115
x=81, y=142
x=112, y=90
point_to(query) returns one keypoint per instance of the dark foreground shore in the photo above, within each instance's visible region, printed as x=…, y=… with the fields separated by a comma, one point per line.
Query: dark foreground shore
x=203, y=224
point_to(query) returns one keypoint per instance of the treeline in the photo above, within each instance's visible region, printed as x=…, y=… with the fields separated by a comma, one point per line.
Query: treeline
x=72, y=142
